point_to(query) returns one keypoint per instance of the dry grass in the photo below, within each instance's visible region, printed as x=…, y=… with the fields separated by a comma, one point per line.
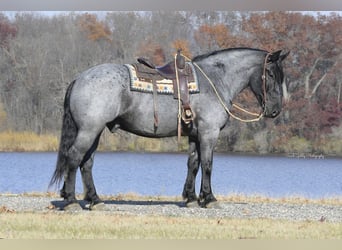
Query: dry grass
x=97, y=225
x=11, y=141
x=104, y=225
x=27, y=141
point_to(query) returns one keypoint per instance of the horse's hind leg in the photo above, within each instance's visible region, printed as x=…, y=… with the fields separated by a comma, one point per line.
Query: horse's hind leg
x=87, y=178
x=78, y=155
x=189, y=192
x=68, y=191
x=88, y=184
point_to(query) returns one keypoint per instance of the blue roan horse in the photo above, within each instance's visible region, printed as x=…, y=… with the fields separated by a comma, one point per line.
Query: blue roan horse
x=101, y=97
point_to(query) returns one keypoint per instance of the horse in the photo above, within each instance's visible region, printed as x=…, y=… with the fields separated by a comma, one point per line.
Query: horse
x=101, y=97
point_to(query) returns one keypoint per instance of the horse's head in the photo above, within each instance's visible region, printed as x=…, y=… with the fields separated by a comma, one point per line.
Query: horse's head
x=268, y=89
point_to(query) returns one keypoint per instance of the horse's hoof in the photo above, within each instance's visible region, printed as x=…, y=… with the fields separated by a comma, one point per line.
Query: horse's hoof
x=214, y=205
x=192, y=204
x=98, y=207
x=72, y=207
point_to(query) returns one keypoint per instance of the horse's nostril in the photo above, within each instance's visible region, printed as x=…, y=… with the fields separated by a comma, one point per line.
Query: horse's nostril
x=275, y=113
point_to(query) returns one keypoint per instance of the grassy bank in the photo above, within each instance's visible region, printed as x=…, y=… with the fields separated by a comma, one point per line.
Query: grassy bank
x=122, y=141
x=27, y=141
x=108, y=226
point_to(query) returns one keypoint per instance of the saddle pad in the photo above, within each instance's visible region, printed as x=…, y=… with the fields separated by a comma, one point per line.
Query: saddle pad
x=164, y=86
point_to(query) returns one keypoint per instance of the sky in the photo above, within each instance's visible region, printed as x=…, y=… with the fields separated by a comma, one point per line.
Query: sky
x=11, y=14
x=170, y=5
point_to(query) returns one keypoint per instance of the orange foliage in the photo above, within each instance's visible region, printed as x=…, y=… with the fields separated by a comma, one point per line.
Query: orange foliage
x=217, y=36
x=7, y=32
x=153, y=51
x=96, y=30
x=183, y=45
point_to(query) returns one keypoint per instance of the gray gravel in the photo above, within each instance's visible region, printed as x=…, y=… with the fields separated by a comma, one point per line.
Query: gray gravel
x=286, y=211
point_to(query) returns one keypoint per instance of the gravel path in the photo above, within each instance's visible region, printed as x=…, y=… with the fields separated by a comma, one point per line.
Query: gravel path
x=286, y=211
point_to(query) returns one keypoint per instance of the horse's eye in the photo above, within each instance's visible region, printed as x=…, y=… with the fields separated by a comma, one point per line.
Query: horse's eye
x=270, y=73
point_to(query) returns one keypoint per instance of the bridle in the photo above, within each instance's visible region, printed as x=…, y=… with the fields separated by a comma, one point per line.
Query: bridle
x=263, y=77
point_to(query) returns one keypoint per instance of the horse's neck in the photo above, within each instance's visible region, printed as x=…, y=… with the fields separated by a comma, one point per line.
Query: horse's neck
x=235, y=79
x=243, y=72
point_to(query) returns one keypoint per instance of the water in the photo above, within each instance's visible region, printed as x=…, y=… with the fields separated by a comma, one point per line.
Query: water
x=164, y=174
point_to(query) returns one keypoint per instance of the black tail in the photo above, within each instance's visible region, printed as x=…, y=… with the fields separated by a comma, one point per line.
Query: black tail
x=68, y=136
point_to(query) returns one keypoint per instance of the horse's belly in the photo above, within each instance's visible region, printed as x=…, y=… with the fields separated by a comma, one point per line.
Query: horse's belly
x=148, y=124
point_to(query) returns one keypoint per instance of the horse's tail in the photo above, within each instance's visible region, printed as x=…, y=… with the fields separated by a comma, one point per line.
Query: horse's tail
x=68, y=136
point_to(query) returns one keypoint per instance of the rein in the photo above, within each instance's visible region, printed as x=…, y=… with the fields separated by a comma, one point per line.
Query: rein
x=258, y=116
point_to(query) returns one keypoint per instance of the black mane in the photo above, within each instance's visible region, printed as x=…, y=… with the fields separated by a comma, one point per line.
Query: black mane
x=201, y=57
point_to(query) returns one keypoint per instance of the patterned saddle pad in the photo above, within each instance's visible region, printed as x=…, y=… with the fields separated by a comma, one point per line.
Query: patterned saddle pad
x=142, y=77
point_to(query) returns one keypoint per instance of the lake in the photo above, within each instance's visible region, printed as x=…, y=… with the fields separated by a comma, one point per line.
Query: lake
x=164, y=174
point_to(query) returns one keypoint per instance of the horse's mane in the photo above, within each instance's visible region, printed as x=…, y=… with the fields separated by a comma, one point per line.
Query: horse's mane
x=204, y=56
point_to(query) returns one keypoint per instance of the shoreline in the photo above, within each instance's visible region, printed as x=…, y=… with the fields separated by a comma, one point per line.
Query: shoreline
x=129, y=204
x=233, y=198
x=294, y=155
x=28, y=141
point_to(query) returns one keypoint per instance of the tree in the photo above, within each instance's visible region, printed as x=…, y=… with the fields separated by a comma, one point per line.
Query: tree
x=94, y=29
x=213, y=37
x=3, y=117
x=8, y=31
x=183, y=45
x=152, y=51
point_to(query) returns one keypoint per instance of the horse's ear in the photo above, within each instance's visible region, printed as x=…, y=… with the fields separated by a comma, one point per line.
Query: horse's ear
x=277, y=56
x=284, y=55
x=273, y=57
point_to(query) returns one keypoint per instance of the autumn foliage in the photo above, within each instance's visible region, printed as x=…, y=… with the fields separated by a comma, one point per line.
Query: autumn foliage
x=94, y=29
x=183, y=45
x=213, y=37
x=7, y=32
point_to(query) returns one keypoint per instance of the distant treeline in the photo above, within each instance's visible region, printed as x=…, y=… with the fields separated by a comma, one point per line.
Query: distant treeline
x=40, y=55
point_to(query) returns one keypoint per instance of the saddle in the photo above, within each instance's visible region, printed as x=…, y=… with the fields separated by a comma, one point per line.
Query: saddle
x=180, y=73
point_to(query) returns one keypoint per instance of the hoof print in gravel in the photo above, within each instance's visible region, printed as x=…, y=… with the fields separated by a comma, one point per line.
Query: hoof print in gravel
x=214, y=205
x=73, y=207
x=192, y=204
x=98, y=207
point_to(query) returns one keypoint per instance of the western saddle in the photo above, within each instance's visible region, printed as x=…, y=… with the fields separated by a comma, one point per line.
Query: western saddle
x=179, y=72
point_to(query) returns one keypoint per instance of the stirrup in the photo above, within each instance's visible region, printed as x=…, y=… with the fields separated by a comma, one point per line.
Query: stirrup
x=187, y=116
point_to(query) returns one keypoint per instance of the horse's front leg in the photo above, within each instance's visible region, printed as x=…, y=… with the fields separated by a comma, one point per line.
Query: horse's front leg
x=189, y=192
x=208, y=142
